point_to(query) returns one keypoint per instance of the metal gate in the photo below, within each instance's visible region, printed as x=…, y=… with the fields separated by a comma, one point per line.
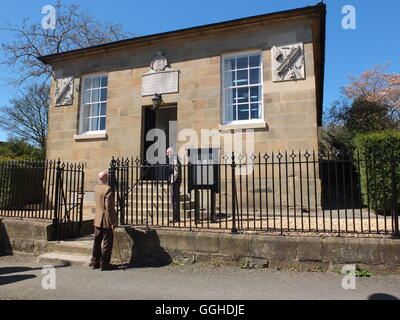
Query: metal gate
x=44, y=190
x=68, y=207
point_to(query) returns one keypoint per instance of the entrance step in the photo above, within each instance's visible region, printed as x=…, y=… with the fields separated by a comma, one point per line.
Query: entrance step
x=64, y=259
x=153, y=197
x=84, y=247
x=75, y=252
x=159, y=204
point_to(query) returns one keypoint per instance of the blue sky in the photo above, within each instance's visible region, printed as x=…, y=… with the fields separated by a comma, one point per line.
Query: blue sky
x=375, y=41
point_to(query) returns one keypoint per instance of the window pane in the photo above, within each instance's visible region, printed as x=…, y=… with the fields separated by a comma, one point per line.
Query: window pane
x=255, y=111
x=255, y=76
x=87, y=84
x=94, y=124
x=86, y=111
x=242, y=78
x=229, y=79
x=229, y=96
x=86, y=96
x=255, y=61
x=85, y=125
x=95, y=110
x=229, y=64
x=243, y=112
x=103, y=123
x=95, y=95
x=243, y=62
x=104, y=81
x=243, y=95
x=96, y=82
x=230, y=113
x=103, y=109
x=103, y=95
x=255, y=94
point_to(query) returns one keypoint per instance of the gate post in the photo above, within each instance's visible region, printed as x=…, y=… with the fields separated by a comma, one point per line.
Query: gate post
x=111, y=174
x=56, y=218
x=234, y=195
x=112, y=182
x=395, y=213
x=82, y=191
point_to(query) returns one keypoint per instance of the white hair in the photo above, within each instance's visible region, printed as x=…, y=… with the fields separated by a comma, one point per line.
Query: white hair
x=103, y=177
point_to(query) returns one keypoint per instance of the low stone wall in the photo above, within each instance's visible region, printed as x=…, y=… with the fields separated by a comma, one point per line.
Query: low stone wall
x=157, y=248
x=20, y=236
x=29, y=237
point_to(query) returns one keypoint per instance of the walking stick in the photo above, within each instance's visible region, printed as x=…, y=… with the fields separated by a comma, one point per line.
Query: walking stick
x=119, y=251
x=116, y=241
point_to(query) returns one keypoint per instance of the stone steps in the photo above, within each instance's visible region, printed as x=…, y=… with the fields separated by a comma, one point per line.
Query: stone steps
x=76, y=252
x=66, y=259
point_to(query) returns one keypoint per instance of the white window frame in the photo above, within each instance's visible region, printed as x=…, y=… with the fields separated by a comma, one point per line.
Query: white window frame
x=81, y=132
x=238, y=54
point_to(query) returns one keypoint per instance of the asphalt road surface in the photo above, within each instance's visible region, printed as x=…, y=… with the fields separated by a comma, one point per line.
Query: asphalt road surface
x=21, y=278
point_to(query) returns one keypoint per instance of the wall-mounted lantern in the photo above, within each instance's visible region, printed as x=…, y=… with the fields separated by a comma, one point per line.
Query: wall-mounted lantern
x=157, y=101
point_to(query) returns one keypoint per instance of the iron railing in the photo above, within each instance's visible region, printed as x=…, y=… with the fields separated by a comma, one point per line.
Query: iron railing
x=305, y=192
x=44, y=190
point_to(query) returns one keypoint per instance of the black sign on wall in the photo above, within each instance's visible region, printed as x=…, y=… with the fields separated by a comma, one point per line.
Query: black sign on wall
x=204, y=169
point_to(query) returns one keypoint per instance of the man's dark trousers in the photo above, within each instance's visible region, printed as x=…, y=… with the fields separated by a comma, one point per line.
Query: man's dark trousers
x=174, y=192
x=102, y=253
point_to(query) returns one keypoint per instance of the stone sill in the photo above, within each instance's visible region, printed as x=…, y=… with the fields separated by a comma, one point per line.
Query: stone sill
x=90, y=136
x=242, y=126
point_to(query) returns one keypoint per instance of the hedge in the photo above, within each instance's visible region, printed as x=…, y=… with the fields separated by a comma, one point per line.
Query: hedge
x=380, y=156
x=20, y=184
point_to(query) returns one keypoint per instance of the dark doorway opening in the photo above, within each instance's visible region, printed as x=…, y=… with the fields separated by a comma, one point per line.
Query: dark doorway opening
x=164, y=119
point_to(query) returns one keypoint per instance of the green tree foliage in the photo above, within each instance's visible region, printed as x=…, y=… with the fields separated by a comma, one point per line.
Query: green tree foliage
x=369, y=103
x=16, y=149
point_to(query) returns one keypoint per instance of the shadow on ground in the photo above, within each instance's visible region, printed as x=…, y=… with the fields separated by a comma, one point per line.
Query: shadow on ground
x=146, y=250
x=5, y=244
x=15, y=278
x=12, y=278
x=382, y=296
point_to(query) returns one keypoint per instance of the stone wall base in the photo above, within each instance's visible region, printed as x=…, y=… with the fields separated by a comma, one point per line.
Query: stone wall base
x=157, y=248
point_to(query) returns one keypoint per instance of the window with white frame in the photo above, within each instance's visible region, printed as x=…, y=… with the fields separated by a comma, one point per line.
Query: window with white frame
x=242, y=87
x=94, y=104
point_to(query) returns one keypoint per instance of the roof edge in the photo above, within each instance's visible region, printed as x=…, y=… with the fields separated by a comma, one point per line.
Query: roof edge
x=48, y=59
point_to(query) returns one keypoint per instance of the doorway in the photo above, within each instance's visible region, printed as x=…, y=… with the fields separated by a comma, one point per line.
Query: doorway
x=165, y=120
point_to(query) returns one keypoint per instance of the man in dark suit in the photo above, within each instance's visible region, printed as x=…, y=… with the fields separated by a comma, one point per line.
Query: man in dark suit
x=174, y=182
x=104, y=222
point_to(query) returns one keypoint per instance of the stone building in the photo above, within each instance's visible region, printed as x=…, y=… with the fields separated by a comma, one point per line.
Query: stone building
x=264, y=73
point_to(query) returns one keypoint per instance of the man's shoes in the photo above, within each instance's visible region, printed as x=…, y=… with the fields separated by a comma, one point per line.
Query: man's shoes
x=108, y=267
x=94, y=265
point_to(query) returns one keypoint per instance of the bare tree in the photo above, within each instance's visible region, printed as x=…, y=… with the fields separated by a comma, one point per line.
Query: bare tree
x=26, y=117
x=74, y=29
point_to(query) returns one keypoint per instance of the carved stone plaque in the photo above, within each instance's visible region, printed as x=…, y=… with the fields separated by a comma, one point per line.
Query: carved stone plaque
x=159, y=63
x=160, y=79
x=160, y=82
x=288, y=62
x=64, y=92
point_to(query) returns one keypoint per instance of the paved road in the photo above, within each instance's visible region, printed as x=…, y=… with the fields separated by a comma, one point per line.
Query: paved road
x=21, y=278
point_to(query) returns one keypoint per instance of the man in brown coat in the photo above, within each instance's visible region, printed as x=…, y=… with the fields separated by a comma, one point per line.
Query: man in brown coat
x=104, y=222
